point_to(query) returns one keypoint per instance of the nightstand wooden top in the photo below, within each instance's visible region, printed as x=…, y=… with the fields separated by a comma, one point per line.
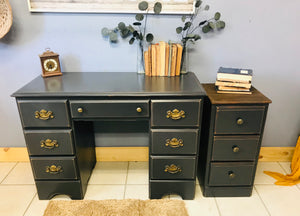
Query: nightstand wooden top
x=220, y=98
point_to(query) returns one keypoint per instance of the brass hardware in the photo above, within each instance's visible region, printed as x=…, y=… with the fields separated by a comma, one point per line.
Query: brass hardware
x=173, y=169
x=235, y=149
x=80, y=110
x=174, y=143
x=231, y=174
x=54, y=169
x=240, y=121
x=49, y=144
x=175, y=114
x=43, y=114
x=139, y=109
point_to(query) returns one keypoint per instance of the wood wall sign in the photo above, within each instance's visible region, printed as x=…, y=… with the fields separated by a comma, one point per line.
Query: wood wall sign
x=102, y=6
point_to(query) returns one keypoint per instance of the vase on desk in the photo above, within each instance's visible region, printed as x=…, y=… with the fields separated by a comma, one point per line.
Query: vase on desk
x=185, y=68
x=140, y=58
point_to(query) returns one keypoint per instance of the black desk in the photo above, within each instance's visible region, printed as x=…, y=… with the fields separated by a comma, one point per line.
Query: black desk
x=58, y=113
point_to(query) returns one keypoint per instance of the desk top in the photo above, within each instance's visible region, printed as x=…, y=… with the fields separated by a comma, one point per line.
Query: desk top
x=73, y=84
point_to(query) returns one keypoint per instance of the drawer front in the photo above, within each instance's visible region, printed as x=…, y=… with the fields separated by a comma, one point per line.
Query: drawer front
x=109, y=108
x=174, y=141
x=175, y=112
x=239, y=119
x=44, y=113
x=235, y=148
x=225, y=174
x=49, y=142
x=171, y=167
x=54, y=168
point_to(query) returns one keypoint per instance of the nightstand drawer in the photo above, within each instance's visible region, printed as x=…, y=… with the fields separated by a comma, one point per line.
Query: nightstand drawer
x=239, y=119
x=172, y=167
x=44, y=113
x=54, y=168
x=175, y=112
x=174, y=141
x=225, y=174
x=109, y=108
x=235, y=148
x=49, y=142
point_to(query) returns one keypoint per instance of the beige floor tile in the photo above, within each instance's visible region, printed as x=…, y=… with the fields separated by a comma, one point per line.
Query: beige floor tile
x=236, y=206
x=14, y=199
x=137, y=192
x=280, y=200
x=261, y=178
x=5, y=168
x=109, y=173
x=100, y=192
x=21, y=174
x=138, y=173
x=205, y=206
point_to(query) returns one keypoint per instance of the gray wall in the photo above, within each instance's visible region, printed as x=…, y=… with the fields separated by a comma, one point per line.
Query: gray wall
x=262, y=35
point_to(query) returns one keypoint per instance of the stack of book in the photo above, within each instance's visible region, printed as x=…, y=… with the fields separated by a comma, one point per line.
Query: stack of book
x=163, y=59
x=233, y=80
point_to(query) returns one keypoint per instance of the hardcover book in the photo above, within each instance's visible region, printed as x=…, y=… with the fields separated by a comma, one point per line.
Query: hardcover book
x=234, y=75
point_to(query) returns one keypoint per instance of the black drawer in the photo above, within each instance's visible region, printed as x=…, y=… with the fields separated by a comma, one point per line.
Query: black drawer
x=109, y=108
x=172, y=167
x=239, y=119
x=44, y=113
x=175, y=112
x=54, y=168
x=235, y=148
x=174, y=141
x=49, y=142
x=225, y=174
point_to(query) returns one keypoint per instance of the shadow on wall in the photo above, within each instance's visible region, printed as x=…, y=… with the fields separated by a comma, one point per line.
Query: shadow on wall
x=26, y=26
x=70, y=63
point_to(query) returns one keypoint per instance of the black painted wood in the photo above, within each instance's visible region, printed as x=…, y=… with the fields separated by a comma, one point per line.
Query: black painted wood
x=235, y=148
x=191, y=108
x=160, y=138
x=64, y=142
x=109, y=108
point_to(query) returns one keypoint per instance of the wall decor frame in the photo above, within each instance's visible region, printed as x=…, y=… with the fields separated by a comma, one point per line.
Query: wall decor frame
x=103, y=6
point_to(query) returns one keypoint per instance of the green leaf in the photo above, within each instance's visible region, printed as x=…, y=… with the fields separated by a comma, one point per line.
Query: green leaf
x=183, y=18
x=187, y=25
x=179, y=30
x=149, y=37
x=198, y=3
x=113, y=37
x=143, y=5
x=217, y=16
x=105, y=32
x=131, y=29
x=220, y=24
x=137, y=23
x=131, y=40
x=135, y=33
x=190, y=36
x=139, y=17
x=157, y=7
x=125, y=33
x=206, y=7
x=206, y=29
x=212, y=25
x=197, y=37
x=121, y=26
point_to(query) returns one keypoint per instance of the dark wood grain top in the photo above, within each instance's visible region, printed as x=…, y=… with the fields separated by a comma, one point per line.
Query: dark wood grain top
x=220, y=98
x=111, y=84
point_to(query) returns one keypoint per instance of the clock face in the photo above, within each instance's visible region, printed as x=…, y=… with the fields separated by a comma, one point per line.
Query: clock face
x=50, y=65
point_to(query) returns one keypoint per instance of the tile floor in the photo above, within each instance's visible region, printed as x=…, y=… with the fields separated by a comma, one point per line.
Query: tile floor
x=121, y=180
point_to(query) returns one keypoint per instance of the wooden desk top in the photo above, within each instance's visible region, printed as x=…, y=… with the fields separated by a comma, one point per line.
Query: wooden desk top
x=73, y=84
x=220, y=98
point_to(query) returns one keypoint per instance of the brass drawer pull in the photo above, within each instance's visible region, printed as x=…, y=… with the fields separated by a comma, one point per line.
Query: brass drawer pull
x=139, y=109
x=235, y=149
x=231, y=174
x=44, y=114
x=80, y=110
x=240, y=121
x=49, y=144
x=54, y=169
x=175, y=114
x=173, y=169
x=174, y=143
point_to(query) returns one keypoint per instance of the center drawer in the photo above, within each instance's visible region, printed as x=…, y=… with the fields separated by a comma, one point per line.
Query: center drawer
x=109, y=108
x=54, y=168
x=172, y=167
